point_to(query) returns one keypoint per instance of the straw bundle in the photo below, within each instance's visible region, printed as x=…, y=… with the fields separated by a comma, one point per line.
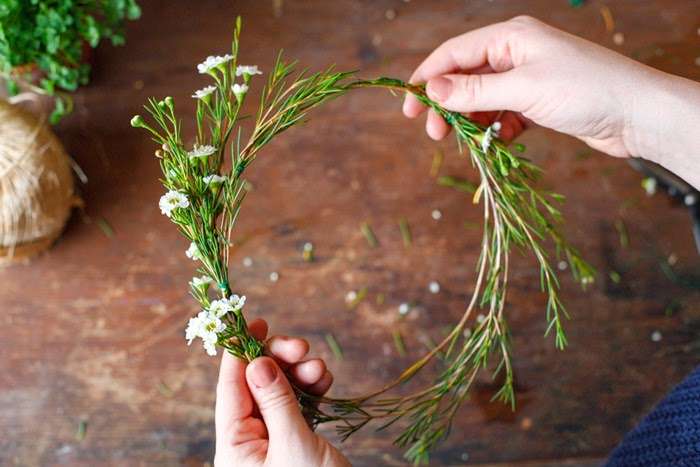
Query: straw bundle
x=36, y=185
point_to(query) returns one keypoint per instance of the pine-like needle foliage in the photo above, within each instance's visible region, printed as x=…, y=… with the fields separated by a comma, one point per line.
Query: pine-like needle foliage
x=516, y=214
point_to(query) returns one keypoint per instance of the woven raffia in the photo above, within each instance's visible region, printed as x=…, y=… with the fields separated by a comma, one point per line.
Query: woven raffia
x=36, y=185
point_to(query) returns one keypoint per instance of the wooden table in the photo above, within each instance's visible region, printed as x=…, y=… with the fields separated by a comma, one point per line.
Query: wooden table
x=92, y=332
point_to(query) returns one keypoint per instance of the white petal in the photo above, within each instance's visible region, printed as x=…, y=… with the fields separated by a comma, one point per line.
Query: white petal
x=210, y=347
x=193, y=252
x=204, y=92
x=247, y=70
x=214, y=179
x=172, y=200
x=239, y=88
x=201, y=151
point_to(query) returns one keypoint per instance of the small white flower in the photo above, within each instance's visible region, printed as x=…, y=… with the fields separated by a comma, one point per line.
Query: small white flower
x=486, y=140
x=480, y=318
x=250, y=70
x=212, y=62
x=237, y=301
x=210, y=347
x=247, y=261
x=274, y=276
x=491, y=132
x=193, y=252
x=308, y=246
x=213, y=326
x=207, y=327
x=214, y=179
x=220, y=307
x=202, y=281
x=434, y=287
x=194, y=327
x=656, y=336
x=204, y=92
x=563, y=265
x=171, y=201
x=201, y=151
x=436, y=214
x=239, y=89
x=404, y=308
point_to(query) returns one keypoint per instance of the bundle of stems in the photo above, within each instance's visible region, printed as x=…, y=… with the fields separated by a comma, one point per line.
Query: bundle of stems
x=204, y=201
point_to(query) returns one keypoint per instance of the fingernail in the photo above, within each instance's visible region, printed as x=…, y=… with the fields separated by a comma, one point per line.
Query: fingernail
x=263, y=372
x=439, y=88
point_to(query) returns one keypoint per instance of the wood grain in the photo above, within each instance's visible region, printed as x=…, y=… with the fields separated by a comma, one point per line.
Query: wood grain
x=93, y=330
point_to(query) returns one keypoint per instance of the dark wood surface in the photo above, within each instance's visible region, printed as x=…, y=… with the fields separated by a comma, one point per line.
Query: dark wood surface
x=93, y=330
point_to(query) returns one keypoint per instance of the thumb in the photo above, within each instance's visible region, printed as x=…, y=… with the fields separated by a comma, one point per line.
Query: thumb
x=479, y=92
x=276, y=400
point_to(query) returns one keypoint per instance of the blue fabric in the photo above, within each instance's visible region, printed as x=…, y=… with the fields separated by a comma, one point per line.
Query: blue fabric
x=669, y=435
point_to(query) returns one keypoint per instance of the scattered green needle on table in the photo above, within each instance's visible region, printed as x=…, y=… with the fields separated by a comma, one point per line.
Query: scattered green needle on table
x=369, y=235
x=405, y=232
x=334, y=346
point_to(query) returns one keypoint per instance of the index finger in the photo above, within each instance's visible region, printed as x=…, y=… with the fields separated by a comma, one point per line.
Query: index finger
x=466, y=52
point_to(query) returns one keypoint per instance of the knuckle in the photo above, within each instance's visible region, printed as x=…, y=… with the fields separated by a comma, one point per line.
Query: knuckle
x=471, y=87
x=523, y=28
x=522, y=25
x=238, y=433
x=524, y=19
x=235, y=432
x=277, y=400
x=445, y=48
x=450, y=43
x=502, y=59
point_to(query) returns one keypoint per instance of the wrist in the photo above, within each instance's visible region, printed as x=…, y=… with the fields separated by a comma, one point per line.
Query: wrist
x=662, y=122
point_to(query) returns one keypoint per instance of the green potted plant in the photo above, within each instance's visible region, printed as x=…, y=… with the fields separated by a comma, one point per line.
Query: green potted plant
x=45, y=44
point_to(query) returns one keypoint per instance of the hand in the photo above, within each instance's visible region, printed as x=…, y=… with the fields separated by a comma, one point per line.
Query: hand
x=554, y=79
x=258, y=421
